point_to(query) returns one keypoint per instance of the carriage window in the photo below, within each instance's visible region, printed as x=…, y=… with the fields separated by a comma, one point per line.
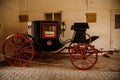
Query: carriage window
x=49, y=31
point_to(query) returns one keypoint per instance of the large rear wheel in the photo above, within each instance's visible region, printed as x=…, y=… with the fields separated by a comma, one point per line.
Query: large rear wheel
x=18, y=50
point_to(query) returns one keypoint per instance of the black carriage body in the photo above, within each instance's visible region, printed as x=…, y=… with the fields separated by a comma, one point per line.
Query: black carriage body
x=46, y=34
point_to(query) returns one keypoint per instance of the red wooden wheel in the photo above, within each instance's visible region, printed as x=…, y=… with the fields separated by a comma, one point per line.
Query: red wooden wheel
x=18, y=50
x=83, y=56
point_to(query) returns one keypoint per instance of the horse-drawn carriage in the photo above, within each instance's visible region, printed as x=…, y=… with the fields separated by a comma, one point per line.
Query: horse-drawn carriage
x=18, y=48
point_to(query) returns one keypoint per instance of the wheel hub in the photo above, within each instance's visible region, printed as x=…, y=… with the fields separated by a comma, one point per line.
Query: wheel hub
x=84, y=58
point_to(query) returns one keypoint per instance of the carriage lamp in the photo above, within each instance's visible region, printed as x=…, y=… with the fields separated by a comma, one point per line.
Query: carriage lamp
x=29, y=24
x=63, y=28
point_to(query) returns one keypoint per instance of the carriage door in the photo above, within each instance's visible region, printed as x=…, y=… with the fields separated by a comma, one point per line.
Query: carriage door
x=115, y=30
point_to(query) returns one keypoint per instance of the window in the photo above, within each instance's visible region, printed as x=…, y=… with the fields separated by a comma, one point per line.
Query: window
x=48, y=16
x=53, y=16
x=117, y=21
x=57, y=16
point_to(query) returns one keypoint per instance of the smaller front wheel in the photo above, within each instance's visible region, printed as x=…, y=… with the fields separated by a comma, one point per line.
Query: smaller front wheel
x=83, y=56
x=18, y=50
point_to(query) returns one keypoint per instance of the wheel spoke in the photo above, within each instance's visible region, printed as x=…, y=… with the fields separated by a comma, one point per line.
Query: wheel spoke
x=9, y=51
x=16, y=59
x=92, y=57
x=15, y=41
x=89, y=61
x=87, y=64
x=25, y=56
x=10, y=45
x=25, y=42
x=27, y=47
x=83, y=64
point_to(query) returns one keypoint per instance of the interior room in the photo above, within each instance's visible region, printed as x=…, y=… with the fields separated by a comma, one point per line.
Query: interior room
x=102, y=17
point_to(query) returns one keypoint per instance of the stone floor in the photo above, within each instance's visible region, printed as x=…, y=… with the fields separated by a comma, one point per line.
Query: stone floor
x=58, y=67
x=54, y=73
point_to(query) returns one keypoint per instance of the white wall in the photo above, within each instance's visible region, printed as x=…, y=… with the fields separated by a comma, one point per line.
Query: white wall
x=72, y=11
